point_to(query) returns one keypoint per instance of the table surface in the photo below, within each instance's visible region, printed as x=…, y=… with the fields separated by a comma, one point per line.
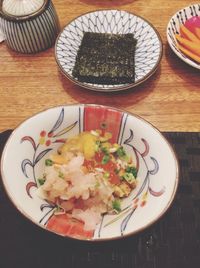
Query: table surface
x=170, y=99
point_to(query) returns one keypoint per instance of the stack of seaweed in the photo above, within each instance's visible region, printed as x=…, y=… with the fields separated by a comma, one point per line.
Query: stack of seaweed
x=105, y=58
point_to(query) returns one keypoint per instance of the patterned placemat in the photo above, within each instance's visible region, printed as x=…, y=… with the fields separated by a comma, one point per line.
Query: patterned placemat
x=174, y=241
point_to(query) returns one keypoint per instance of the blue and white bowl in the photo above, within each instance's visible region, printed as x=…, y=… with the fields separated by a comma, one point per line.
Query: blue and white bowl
x=148, y=50
x=173, y=28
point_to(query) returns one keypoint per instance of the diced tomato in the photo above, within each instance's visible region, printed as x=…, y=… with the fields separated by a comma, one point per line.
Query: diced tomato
x=114, y=178
x=65, y=225
x=89, y=164
x=110, y=166
x=99, y=157
x=59, y=224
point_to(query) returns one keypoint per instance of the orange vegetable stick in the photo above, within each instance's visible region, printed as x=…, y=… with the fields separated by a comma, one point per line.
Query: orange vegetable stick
x=188, y=34
x=192, y=46
x=189, y=53
x=197, y=32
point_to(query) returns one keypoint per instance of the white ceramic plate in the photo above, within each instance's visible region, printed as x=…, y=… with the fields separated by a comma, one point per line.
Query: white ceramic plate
x=30, y=143
x=173, y=28
x=148, y=50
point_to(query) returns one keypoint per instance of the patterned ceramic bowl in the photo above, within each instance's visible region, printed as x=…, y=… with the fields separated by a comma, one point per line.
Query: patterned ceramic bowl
x=31, y=143
x=28, y=26
x=173, y=28
x=148, y=50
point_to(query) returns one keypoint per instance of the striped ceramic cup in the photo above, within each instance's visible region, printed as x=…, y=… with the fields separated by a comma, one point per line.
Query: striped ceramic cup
x=32, y=30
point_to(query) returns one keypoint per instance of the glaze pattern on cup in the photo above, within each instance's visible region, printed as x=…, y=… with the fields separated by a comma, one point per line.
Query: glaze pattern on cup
x=33, y=34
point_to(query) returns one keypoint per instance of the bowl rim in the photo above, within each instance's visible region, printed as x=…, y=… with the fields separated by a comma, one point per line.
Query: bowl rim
x=130, y=234
x=179, y=53
x=119, y=88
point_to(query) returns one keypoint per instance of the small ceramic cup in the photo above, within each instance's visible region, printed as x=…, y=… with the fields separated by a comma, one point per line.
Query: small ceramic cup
x=32, y=30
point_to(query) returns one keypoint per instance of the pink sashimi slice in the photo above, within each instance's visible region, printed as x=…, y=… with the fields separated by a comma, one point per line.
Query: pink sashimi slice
x=67, y=226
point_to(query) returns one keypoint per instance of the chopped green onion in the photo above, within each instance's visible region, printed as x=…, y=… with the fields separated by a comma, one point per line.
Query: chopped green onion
x=97, y=146
x=61, y=175
x=121, y=152
x=105, y=159
x=129, y=177
x=97, y=184
x=48, y=162
x=104, y=150
x=106, y=175
x=132, y=170
x=41, y=181
x=98, y=143
x=116, y=205
x=58, y=209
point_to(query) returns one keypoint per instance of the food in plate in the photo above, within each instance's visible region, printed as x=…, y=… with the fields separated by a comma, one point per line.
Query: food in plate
x=188, y=41
x=104, y=58
x=87, y=177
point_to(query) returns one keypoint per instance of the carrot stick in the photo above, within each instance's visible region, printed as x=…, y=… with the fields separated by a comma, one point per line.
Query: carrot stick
x=197, y=32
x=188, y=34
x=189, y=53
x=190, y=45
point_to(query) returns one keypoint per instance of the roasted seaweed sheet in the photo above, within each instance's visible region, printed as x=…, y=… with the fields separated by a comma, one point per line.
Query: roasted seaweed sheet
x=104, y=58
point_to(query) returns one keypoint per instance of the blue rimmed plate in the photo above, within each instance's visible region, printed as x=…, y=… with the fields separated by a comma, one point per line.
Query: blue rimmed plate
x=148, y=50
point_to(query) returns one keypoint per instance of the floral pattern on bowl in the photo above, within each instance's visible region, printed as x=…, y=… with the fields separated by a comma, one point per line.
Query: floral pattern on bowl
x=173, y=28
x=34, y=139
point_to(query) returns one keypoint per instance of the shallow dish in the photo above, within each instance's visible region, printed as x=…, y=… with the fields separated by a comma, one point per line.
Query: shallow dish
x=31, y=143
x=173, y=28
x=148, y=50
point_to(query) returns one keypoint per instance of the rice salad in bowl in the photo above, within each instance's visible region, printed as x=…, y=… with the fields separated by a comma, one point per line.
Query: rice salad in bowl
x=89, y=172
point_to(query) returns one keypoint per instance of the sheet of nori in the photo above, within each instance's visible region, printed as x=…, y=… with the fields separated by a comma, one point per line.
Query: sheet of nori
x=104, y=58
